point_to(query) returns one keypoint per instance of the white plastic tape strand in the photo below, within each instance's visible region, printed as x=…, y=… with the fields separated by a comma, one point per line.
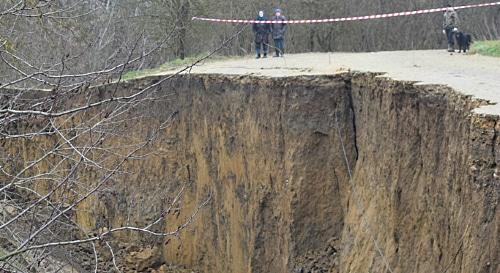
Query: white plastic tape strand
x=345, y=19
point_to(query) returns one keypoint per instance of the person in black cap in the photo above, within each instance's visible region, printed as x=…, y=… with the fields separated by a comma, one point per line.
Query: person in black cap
x=279, y=29
x=261, y=31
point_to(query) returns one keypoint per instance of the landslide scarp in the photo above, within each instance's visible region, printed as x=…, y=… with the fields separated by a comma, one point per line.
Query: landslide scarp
x=335, y=173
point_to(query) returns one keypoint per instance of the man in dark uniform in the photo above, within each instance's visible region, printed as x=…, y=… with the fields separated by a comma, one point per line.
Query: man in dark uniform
x=261, y=31
x=279, y=30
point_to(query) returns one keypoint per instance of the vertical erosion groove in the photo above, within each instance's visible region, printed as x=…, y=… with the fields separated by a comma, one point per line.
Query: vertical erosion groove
x=348, y=83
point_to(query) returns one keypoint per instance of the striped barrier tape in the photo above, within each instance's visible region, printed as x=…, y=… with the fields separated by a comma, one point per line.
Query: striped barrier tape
x=345, y=19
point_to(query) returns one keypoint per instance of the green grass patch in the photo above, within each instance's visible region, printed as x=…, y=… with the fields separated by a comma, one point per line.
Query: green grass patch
x=487, y=48
x=174, y=64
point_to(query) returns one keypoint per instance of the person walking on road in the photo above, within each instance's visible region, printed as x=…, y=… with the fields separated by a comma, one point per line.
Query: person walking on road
x=450, y=26
x=279, y=29
x=261, y=31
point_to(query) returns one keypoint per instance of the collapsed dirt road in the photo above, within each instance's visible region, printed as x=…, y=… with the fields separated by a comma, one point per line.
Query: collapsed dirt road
x=315, y=173
x=339, y=173
x=474, y=75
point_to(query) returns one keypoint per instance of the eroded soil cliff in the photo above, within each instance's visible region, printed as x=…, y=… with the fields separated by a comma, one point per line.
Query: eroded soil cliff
x=341, y=173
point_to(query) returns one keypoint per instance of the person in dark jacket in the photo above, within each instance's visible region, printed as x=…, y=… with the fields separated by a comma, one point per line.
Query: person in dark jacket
x=450, y=26
x=279, y=30
x=261, y=31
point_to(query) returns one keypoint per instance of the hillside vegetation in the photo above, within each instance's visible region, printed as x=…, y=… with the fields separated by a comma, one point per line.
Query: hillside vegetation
x=487, y=48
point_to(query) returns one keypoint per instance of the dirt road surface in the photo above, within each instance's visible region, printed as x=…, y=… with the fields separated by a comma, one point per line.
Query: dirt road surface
x=474, y=75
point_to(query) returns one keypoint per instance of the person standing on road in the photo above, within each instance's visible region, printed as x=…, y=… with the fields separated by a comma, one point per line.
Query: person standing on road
x=450, y=26
x=261, y=31
x=279, y=29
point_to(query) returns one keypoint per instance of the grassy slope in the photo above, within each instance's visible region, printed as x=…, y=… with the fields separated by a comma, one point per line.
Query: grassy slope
x=487, y=48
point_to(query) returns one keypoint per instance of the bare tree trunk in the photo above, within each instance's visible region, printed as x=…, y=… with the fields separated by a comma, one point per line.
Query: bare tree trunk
x=183, y=24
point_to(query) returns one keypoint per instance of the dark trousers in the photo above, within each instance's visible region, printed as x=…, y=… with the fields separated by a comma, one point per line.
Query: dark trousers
x=261, y=46
x=449, y=35
x=279, y=44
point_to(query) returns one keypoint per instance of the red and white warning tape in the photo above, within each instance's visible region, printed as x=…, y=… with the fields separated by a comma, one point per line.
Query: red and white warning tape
x=357, y=18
